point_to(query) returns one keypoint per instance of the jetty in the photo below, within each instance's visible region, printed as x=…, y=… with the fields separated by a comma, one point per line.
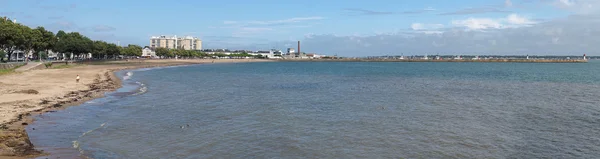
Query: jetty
x=442, y=60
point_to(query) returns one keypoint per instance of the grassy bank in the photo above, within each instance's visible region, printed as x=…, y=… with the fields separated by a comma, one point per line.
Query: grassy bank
x=8, y=71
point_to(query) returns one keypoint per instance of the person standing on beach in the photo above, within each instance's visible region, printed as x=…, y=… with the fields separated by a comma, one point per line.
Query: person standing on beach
x=77, y=79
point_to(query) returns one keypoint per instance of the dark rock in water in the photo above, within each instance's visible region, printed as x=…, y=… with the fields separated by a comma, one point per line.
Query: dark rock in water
x=24, y=124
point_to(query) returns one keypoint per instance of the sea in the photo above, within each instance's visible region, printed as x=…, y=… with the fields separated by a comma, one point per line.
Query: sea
x=336, y=110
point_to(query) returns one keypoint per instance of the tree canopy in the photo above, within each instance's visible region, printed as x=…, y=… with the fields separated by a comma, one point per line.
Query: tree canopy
x=2, y=55
x=15, y=36
x=46, y=41
x=132, y=50
x=162, y=52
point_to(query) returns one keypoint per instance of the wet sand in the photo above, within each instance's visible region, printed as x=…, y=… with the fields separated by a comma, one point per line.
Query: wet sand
x=46, y=90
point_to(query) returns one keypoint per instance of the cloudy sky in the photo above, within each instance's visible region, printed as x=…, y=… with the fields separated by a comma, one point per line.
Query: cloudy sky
x=347, y=28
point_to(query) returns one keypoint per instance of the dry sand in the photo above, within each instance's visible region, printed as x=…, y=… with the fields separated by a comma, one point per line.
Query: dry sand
x=38, y=91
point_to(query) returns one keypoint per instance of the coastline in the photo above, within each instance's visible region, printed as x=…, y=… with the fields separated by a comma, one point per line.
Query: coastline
x=14, y=140
x=443, y=60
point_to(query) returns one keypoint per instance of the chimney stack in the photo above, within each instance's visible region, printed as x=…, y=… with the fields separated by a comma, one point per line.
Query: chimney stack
x=299, y=48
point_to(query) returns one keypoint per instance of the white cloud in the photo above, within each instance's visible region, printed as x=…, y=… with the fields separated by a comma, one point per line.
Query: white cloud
x=508, y=3
x=251, y=28
x=250, y=31
x=564, y=36
x=579, y=6
x=255, y=29
x=478, y=23
x=429, y=9
x=519, y=20
x=511, y=21
x=275, y=22
x=421, y=26
x=433, y=32
x=103, y=28
x=566, y=2
x=229, y=22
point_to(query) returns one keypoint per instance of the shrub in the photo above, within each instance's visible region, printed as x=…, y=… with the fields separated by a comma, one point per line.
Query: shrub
x=48, y=64
x=2, y=55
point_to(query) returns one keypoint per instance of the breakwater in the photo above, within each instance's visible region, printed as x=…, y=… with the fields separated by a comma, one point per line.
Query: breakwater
x=443, y=60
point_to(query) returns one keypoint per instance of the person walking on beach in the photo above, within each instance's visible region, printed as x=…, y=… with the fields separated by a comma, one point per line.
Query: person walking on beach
x=77, y=79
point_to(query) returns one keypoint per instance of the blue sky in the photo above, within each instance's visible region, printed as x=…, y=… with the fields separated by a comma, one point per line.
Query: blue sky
x=353, y=28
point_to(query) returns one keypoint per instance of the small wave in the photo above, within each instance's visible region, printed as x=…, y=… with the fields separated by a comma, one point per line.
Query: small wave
x=158, y=68
x=143, y=89
x=76, y=142
x=127, y=76
x=87, y=132
x=91, y=102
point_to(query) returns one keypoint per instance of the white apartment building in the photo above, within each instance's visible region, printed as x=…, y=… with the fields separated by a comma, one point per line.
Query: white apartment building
x=173, y=42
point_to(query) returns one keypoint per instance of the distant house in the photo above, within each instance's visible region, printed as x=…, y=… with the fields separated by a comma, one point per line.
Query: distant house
x=314, y=56
x=148, y=52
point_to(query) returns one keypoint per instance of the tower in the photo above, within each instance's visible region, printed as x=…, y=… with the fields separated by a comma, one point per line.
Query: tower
x=299, y=53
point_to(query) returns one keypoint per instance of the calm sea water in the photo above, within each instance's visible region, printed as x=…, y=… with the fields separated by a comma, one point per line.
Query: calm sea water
x=337, y=110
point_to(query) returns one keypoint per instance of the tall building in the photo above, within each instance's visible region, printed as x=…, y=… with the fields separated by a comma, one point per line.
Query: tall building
x=186, y=43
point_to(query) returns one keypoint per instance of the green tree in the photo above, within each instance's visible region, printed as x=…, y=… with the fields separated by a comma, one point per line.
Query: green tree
x=14, y=36
x=60, y=34
x=46, y=42
x=43, y=55
x=162, y=52
x=259, y=56
x=195, y=53
x=74, y=43
x=11, y=36
x=32, y=38
x=2, y=55
x=219, y=55
x=113, y=50
x=132, y=50
x=172, y=53
x=99, y=48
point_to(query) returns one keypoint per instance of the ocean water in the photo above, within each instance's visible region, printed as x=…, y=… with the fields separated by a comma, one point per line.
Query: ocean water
x=337, y=110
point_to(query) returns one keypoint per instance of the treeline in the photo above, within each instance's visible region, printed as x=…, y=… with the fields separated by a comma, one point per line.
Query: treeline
x=18, y=37
x=170, y=53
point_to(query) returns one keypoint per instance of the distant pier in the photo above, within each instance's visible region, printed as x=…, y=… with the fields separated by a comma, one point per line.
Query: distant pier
x=443, y=60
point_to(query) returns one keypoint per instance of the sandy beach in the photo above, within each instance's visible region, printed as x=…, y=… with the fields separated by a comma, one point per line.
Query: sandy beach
x=46, y=90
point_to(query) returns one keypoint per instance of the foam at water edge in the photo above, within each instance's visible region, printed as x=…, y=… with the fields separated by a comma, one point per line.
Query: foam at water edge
x=143, y=89
x=157, y=68
x=127, y=76
x=76, y=143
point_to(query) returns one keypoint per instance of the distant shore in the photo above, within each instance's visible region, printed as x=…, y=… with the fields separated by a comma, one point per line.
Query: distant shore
x=442, y=60
x=23, y=95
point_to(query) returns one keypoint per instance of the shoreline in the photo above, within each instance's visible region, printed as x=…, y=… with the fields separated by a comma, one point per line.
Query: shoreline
x=14, y=140
x=443, y=60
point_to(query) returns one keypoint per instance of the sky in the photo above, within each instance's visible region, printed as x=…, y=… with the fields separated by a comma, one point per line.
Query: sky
x=333, y=27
